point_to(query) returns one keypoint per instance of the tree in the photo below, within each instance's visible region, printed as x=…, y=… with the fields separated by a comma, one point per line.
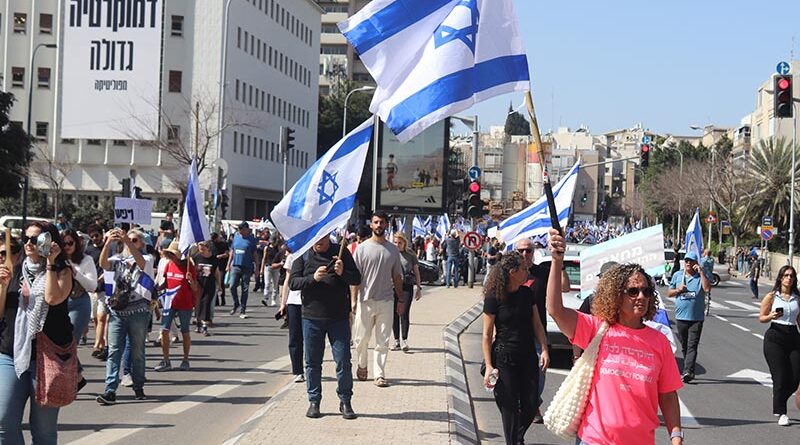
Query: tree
x=52, y=170
x=331, y=113
x=15, y=154
x=516, y=124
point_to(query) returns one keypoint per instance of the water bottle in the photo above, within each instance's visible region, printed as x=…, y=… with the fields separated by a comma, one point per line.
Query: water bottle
x=493, y=376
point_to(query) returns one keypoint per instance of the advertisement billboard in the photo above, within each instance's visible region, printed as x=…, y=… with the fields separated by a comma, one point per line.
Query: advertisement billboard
x=111, y=58
x=411, y=176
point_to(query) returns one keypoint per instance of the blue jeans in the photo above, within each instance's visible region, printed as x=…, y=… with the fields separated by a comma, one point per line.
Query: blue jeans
x=338, y=333
x=294, y=316
x=14, y=395
x=240, y=277
x=184, y=315
x=133, y=326
x=542, y=374
x=80, y=312
x=451, y=269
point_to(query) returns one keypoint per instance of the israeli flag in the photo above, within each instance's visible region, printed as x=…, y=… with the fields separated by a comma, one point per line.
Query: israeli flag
x=435, y=58
x=323, y=198
x=428, y=224
x=418, y=227
x=401, y=224
x=535, y=220
x=194, y=224
x=443, y=226
x=694, y=236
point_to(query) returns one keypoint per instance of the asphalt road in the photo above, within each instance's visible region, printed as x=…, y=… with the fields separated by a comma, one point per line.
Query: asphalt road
x=730, y=401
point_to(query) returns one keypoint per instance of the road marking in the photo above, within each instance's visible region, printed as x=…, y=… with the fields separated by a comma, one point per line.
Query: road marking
x=719, y=318
x=108, y=435
x=735, y=283
x=751, y=374
x=740, y=327
x=758, y=335
x=278, y=363
x=687, y=419
x=739, y=304
x=715, y=305
x=198, y=397
x=563, y=372
x=756, y=304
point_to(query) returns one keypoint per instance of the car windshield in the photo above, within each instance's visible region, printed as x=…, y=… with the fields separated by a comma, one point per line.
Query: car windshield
x=573, y=269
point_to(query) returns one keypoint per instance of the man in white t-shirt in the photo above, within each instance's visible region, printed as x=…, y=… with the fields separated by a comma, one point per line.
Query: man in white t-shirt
x=378, y=260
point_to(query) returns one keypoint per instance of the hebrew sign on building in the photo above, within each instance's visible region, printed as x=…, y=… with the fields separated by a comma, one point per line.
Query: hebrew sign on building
x=111, y=53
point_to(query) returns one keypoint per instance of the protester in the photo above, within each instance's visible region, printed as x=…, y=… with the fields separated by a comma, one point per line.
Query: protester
x=411, y=290
x=166, y=229
x=292, y=311
x=451, y=248
x=97, y=295
x=326, y=312
x=129, y=287
x=272, y=265
x=492, y=255
x=241, y=263
x=209, y=280
x=62, y=223
x=221, y=253
x=36, y=302
x=373, y=300
x=635, y=372
x=753, y=275
x=689, y=287
x=510, y=324
x=261, y=245
x=780, y=309
x=177, y=302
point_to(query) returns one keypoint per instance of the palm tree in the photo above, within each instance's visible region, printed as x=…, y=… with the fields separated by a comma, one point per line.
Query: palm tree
x=769, y=169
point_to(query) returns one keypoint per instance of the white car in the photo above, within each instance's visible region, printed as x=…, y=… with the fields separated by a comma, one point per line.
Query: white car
x=15, y=223
x=571, y=297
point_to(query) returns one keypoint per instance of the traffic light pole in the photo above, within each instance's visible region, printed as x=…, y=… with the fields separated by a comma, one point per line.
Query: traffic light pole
x=475, y=135
x=791, y=188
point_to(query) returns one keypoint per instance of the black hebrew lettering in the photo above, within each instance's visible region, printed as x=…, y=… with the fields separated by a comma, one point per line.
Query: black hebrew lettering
x=124, y=214
x=107, y=55
x=114, y=14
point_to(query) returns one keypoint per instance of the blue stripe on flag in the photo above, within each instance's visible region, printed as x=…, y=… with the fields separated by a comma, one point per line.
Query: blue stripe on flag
x=193, y=207
x=312, y=233
x=389, y=21
x=456, y=87
x=147, y=282
x=541, y=207
x=544, y=221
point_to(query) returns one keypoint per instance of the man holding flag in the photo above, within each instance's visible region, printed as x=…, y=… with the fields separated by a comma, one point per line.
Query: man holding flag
x=689, y=287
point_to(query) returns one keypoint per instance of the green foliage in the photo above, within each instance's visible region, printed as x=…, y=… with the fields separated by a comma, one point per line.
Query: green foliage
x=37, y=205
x=516, y=124
x=15, y=153
x=331, y=113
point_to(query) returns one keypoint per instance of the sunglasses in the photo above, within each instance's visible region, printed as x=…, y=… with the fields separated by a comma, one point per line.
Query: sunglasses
x=525, y=250
x=69, y=243
x=634, y=292
x=134, y=240
x=29, y=239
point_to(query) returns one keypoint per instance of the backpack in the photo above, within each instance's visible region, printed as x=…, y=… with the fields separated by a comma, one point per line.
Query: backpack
x=126, y=277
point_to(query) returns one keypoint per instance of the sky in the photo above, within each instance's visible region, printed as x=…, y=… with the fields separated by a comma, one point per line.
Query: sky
x=667, y=64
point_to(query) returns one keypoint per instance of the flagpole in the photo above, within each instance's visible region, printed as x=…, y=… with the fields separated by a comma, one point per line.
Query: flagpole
x=537, y=139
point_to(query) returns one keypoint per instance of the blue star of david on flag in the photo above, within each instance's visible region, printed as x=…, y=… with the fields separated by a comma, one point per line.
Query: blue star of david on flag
x=445, y=34
x=322, y=187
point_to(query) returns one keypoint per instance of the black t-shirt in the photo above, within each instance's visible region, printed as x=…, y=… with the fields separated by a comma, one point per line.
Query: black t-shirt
x=167, y=226
x=492, y=252
x=537, y=281
x=10, y=315
x=513, y=320
x=206, y=272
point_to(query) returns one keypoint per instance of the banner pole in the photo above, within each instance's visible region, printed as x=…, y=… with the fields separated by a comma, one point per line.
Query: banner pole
x=537, y=139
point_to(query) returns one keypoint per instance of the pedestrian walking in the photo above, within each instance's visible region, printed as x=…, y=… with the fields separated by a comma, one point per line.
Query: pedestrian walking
x=451, y=248
x=97, y=294
x=221, y=252
x=35, y=303
x=378, y=260
x=271, y=266
x=511, y=323
x=635, y=373
x=129, y=288
x=177, y=302
x=754, y=275
x=323, y=275
x=412, y=290
x=780, y=309
x=209, y=280
x=84, y=276
x=291, y=310
x=241, y=264
x=689, y=287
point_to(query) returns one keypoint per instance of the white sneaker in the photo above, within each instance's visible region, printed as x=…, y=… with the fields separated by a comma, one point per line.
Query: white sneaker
x=242, y=316
x=396, y=346
x=299, y=378
x=127, y=380
x=783, y=420
x=404, y=345
x=272, y=302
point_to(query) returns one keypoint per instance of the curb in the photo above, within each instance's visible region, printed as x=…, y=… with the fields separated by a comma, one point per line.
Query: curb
x=459, y=403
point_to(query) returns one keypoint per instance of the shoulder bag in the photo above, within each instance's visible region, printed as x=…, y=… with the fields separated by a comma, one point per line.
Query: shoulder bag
x=563, y=416
x=56, y=372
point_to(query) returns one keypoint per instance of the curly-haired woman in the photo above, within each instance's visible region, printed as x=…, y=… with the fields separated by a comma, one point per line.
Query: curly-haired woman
x=635, y=373
x=511, y=319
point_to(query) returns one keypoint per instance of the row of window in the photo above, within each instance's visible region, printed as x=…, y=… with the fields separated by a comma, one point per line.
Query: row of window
x=21, y=23
x=18, y=77
x=285, y=19
x=248, y=145
x=274, y=58
x=334, y=7
x=261, y=100
x=43, y=130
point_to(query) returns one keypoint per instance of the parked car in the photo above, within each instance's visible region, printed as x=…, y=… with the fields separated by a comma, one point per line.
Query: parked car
x=570, y=297
x=15, y=223
x=428, y=272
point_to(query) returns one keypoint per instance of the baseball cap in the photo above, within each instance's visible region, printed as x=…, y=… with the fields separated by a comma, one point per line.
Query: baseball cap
x=691, y=256
x=244, y=225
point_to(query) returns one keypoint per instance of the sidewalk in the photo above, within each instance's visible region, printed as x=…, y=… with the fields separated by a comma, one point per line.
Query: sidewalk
x=413, y=409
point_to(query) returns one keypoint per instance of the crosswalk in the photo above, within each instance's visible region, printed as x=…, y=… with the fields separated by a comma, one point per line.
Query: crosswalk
x=725, y=305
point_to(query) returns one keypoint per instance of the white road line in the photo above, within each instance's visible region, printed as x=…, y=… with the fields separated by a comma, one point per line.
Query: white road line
x=278, y=363
x=756, y=304
x=751, y=374
x=715, y=305
x=735, y=283
x=740, y=327
x=759, y=336
x=687, y=419
x=563, y=372
x=108, y=435
x=719, y=318
x=739, y=304
x=198, y=397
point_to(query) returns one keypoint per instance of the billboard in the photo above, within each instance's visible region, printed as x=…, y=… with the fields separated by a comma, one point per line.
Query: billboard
x=111, y=58
x=411, y=176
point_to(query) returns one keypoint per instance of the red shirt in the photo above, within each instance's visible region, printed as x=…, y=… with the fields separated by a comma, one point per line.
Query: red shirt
x=176, y=278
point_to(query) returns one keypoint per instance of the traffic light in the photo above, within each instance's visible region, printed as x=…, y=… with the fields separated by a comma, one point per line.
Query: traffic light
x=584, y=198
x=223, y=202
x=474, y=201
x=782, y=96
x=644, y=156
x=287, y=139
x=126, y=187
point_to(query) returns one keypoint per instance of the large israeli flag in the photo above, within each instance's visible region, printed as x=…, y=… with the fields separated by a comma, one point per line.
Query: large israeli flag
x=194, y=224
x=418, y=227
x=323, y=198
x=443, y=226
x=694, y=236
x=435, y=58
x=535, y=220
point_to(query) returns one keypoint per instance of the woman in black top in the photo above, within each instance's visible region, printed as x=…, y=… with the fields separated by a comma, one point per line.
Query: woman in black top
x=46, y=282
x=510, y=325
x=208, y=279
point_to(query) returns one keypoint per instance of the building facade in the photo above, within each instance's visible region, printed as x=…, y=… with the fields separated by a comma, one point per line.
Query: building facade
x=337, y=59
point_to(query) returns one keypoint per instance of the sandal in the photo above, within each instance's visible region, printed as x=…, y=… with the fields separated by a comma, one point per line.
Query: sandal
x=380, y=382
x=361, y=374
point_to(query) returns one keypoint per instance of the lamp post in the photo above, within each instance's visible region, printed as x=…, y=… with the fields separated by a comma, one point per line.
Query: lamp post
x=346, y=98
x=710, y=199
x=26, y=184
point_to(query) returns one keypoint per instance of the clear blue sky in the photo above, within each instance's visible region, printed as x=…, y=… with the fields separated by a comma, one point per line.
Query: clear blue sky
x=667, y=64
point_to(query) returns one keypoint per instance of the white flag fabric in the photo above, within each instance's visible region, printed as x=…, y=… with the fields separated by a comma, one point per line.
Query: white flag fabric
x=194, y=224
x=694, y=236
x=434, y=58
x=418, y=227
x=443, y=226
x=535, y=220
x=323, y=198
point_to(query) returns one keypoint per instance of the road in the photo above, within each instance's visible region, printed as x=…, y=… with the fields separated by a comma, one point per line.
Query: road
x=731, y=396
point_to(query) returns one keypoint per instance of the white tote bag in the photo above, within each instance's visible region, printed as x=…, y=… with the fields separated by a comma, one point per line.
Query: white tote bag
x=563, y=416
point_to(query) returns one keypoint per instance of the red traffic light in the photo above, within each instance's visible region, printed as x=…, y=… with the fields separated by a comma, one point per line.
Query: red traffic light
x=783, y=83
x=475, y=187
x=645, y=148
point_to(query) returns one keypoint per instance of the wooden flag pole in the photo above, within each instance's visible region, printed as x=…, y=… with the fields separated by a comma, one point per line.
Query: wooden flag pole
x=537, y=139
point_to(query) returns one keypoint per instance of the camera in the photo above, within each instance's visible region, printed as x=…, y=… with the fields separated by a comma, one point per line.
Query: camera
x=43, y=243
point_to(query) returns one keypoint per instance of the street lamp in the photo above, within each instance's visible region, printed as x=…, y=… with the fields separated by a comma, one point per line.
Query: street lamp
x=346, y=98
x=710, y=199
x=26, y=185
x=680, y=179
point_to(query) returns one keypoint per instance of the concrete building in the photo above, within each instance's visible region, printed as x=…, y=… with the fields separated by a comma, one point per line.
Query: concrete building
x=762, y=122
x=566, y=147
x=273, y=52
x=620, y=177
x=337, y=59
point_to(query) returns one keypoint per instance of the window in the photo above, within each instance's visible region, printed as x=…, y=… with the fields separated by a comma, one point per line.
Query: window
x=246, y=39
x=175, y=81
x=18, y=76
x=257, y=96
x=45, y=23
x=249, y=139
x=177, y=25
x=237, y=89
x=44, y=77
x=333, y=49
x=93, y=141
x=41, y=129
x=262, y=101
x=20, y=23
x=68, y=141
x=329, y=28
x=119, y=142
x=173, y=133
x=241, y=143
x=239, y=37
x=252, y=44
x=235, y=141
x=250, y=96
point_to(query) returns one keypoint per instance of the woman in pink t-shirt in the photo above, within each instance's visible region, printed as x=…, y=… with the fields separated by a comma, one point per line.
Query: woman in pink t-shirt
x=635, y=373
